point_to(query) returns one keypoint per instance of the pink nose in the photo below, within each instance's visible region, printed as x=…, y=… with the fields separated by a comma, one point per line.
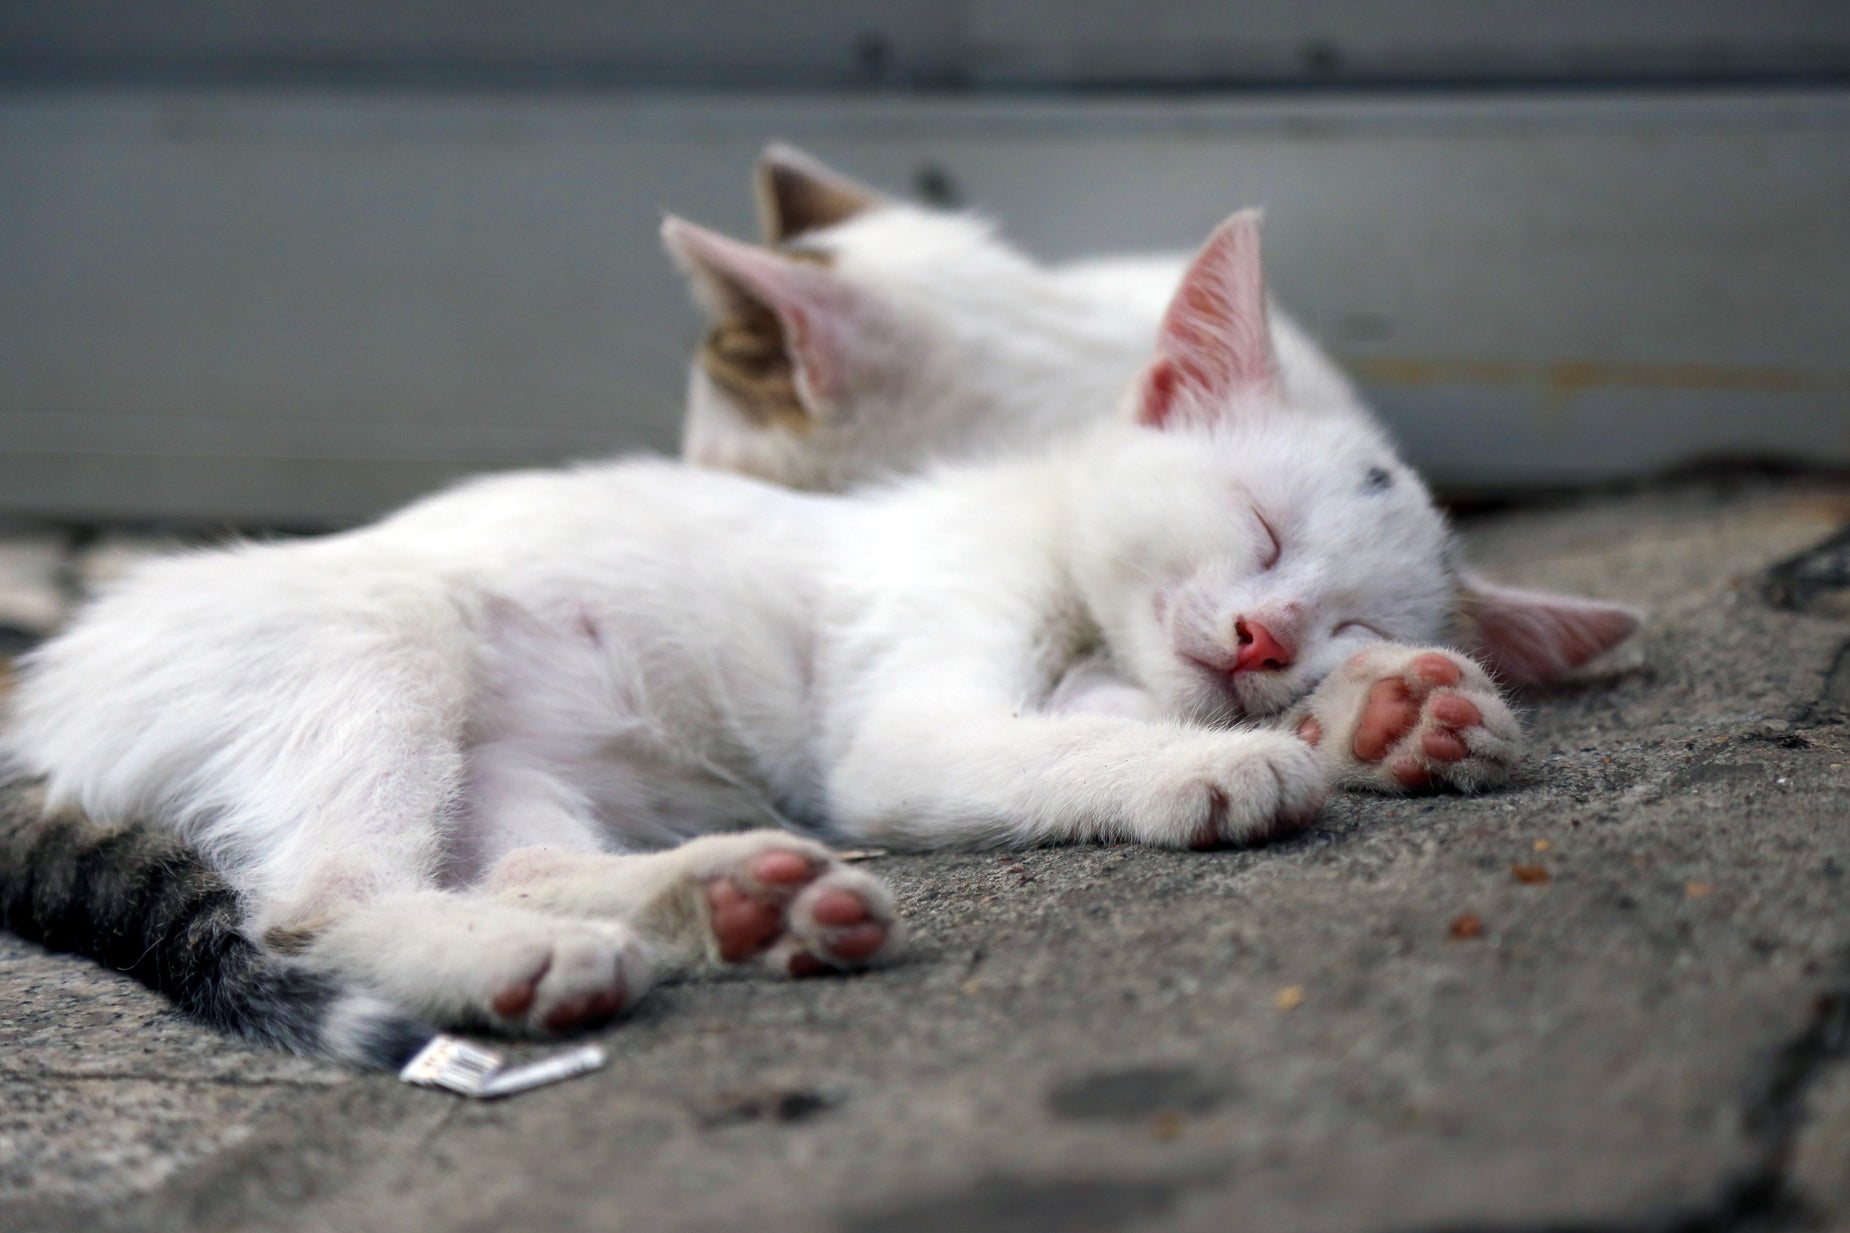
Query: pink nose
x=1259, y=650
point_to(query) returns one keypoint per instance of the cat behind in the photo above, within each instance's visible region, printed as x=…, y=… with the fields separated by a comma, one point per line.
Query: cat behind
x=872, y=337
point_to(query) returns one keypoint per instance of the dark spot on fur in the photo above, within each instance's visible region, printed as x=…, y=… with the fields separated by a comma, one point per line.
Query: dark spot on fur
x=1378, y=479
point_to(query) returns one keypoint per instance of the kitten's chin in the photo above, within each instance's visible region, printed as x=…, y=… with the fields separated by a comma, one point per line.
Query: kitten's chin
x=1209, y=698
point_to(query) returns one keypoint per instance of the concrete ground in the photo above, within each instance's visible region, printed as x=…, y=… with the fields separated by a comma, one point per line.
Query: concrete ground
x=1615, y=996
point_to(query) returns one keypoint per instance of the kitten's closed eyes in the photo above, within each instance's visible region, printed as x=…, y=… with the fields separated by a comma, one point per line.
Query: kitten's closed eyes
x=1273, y=548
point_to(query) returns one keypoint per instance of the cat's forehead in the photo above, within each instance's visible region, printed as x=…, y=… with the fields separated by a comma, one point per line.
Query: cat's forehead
x=1332, y=472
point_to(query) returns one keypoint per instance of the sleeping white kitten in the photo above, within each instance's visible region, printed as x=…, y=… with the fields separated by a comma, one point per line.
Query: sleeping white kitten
x=440, y=756
x=875, y=337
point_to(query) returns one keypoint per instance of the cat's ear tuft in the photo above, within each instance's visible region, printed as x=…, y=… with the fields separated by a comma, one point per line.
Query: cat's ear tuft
x=1214, y=350
x=1531, y=637
x=786, y=305
x=798, y=194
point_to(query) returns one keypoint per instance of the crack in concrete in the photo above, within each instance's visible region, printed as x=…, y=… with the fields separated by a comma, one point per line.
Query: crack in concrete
x=1830, y=706
x=1760, y=1197
x=126, y=1076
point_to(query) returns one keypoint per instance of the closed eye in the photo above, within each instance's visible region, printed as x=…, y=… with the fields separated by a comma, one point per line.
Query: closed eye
x=1269, y=558
x=1360, y=626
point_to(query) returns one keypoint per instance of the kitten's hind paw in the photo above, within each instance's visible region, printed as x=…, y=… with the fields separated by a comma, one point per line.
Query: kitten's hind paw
x=1407, y=719
x=791, y=905
x=764, y=897
x=582, y=977
x=463, y=963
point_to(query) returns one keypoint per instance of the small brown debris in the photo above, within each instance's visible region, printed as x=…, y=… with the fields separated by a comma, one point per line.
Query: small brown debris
x=1166, y=1125
x=760, y=1104
x=1289, y=998
x=1529, y=875
x=1542, y=845
x=1699, y=890
x=1467, y=925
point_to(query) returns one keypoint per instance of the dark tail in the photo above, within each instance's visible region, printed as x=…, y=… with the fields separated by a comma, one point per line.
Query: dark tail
x=146, y=904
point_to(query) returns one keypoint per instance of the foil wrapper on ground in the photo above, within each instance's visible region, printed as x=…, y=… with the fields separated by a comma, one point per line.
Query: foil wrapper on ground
x=455, y=1065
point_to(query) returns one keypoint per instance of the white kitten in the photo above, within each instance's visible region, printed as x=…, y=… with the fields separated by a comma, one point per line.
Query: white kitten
x=878, y=337
x=433, y=754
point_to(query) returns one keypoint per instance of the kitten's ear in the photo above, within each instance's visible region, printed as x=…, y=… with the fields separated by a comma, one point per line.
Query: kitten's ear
x=1529, y=637
x=769, y=304
x=797, y=194
x=1214, y=350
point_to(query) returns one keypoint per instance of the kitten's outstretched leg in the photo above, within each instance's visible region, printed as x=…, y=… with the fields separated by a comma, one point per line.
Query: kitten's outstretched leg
x=936, y=770
x=1405, y=719
x=762, y=896
x=468, y=961
x=1402, y=719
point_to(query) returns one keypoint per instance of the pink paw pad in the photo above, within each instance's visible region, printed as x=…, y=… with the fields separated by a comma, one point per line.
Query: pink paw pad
x=744, y=926
x=1436, y=670
x=854, y=935
x=1395, y=708
x=749, y=915
x=517, y=999
x=587, y=1010
x=1389, y=715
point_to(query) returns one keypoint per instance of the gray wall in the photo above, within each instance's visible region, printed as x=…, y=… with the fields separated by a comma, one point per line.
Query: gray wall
x=308, y=302
x=811, y=44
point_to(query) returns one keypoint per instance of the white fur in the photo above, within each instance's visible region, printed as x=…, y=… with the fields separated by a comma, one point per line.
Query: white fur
x=964, y=348
x=614, y=658
x=954, y=345
x=372, y=733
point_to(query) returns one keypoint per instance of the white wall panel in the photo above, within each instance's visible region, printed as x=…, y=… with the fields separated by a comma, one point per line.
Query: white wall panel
x=311, y=306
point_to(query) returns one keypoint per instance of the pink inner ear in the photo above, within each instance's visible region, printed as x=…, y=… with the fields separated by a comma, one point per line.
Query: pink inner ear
x=1529, y=637
x=1214, y=346
x=818, y=378
x=816, y=308
x=1158, y=398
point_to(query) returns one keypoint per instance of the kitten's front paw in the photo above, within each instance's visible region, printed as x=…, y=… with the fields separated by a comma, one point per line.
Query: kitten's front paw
x=1406, y=719
x=1232, y=788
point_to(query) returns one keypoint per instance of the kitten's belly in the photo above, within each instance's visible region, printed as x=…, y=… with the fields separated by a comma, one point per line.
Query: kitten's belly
x=654, y=743
x=648, y=795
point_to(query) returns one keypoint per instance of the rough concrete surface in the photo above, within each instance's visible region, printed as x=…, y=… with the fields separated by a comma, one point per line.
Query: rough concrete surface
x=1289, y=1038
